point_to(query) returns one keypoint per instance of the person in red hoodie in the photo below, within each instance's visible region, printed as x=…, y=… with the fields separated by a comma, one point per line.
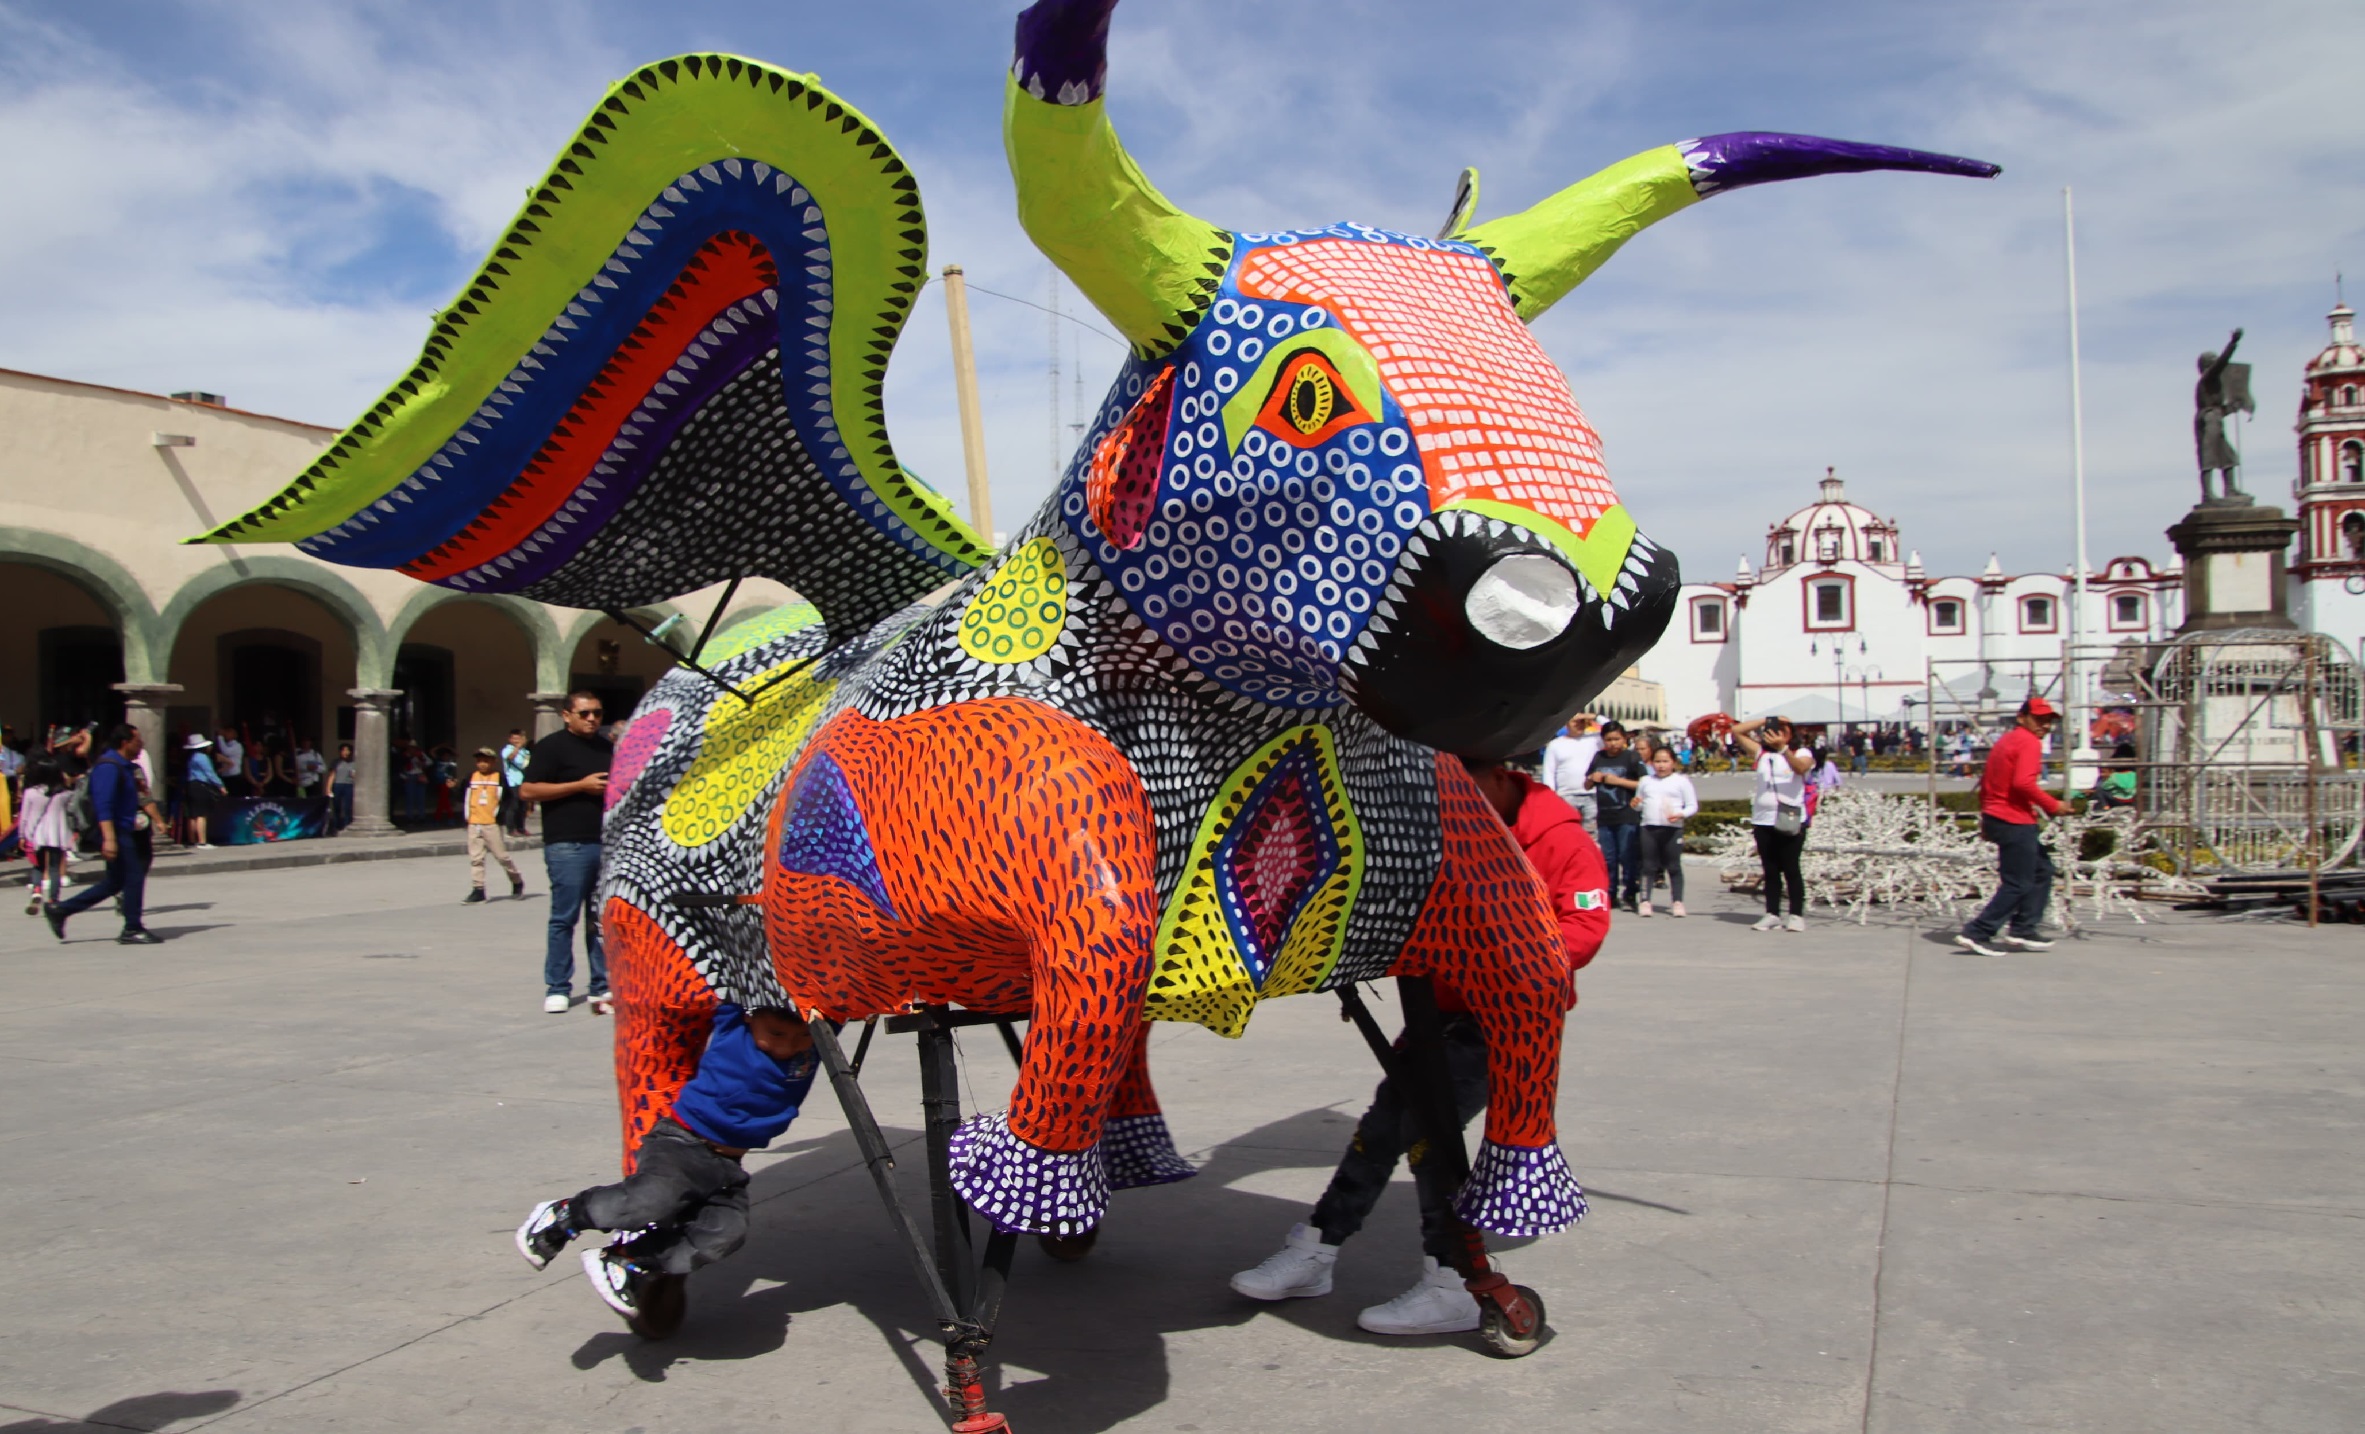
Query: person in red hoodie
x=1577, y=879
x=2010, y=802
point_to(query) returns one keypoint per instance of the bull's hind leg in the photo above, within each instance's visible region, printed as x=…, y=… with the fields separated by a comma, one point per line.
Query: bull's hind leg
x=664, y=1013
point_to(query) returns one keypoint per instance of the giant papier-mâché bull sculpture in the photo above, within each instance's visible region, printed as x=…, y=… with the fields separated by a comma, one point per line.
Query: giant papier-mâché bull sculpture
x=1176, y=748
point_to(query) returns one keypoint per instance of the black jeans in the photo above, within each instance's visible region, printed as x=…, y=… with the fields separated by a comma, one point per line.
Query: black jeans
x=2026, y=885
x=1662, y=855
x=1778, y=853
x=1391, y=1129
x=692, y=1201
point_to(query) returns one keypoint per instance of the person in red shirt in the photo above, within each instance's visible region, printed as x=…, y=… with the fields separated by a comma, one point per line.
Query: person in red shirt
x=1573, y=873
x=2011, y=800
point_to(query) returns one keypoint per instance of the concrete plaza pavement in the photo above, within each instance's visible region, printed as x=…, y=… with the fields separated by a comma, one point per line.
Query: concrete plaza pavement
x=263, y=1178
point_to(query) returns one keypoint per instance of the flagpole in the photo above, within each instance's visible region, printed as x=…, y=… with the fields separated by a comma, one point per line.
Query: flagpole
x=2079, y=757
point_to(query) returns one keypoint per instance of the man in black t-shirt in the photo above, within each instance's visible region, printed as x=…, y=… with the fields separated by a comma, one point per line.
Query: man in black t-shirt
x=568, y=776
x=1617, y=773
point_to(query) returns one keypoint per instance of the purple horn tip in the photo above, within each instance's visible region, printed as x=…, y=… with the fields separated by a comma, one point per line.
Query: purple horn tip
x=1719, y=162
x=1063, y=50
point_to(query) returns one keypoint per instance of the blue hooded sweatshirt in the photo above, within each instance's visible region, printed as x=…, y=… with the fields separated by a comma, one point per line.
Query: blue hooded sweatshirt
x=740, y=1096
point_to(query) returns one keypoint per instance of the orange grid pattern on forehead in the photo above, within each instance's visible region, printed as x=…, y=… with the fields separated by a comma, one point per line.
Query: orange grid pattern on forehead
x=1492, y=415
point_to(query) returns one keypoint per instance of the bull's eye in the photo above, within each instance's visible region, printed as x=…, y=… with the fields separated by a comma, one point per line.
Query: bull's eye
x=1523, y=601
x=1311, y=397
x=1309, y=402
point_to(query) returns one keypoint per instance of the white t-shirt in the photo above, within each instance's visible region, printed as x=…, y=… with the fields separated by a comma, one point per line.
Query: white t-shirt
x=1566, y=761
x=1666, y=801
x=1776, y=784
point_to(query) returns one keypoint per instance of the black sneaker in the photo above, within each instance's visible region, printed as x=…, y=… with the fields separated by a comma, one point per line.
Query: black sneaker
x=475, y=895
x=57, y=922
x=141, y=937
x=545, y=1232
x=517, y=887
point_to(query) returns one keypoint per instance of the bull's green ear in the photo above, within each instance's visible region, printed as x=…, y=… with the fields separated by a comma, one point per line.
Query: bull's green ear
x=1551, y=247
x=1150, y=268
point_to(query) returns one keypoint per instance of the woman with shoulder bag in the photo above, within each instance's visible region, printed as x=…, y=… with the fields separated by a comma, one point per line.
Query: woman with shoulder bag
x=1778, y=816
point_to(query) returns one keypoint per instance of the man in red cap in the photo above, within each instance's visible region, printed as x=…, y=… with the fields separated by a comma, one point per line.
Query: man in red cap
x=2010, y=802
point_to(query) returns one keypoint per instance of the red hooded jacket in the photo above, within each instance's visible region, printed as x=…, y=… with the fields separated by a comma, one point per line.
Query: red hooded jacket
x=2009, y=787
x=1574, y=874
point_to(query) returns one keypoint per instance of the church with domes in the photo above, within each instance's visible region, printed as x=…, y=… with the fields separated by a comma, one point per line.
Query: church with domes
x=1838, y=621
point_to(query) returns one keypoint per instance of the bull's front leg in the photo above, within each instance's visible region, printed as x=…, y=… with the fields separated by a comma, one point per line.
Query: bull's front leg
x=1487, y=930
x=1081, y=854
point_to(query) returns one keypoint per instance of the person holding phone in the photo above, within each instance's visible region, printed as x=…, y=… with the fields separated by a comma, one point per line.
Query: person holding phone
x=568, y=776
x=1778, y=815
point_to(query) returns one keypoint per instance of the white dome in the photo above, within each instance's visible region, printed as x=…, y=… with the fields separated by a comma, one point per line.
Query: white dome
x=1832, y=529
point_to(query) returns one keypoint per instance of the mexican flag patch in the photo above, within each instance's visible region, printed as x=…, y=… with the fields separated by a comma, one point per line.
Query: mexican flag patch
x=1593, y=900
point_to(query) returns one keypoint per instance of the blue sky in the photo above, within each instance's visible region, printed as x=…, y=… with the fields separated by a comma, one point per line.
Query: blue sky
x=265, y=200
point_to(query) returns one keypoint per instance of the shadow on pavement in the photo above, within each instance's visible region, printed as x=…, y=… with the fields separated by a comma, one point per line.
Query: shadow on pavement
x=144, y=1412
x=1080, y=1347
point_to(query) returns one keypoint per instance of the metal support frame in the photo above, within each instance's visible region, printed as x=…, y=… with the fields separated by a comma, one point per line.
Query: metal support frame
x=964, y=1293
x=1512, y=1315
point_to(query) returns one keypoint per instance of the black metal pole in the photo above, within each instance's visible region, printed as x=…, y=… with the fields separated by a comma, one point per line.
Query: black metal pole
x=881, y=1161
x=940, y=1103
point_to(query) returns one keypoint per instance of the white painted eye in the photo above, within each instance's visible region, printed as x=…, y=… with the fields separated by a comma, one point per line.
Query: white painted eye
x=1523, y=601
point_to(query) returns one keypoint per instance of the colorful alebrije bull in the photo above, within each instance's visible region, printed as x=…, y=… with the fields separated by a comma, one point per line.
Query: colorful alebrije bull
x=1176, y=748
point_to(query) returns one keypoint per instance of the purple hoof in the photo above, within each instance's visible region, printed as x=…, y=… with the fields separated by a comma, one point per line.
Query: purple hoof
x=1018, y=1187
x=1138, y=1151
x=1517, y=1193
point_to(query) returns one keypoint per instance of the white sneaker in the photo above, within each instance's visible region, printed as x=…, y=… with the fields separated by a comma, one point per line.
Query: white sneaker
x=1795, y=923
x=1299, y=1270
x=1768, y=922
x=1643, y=910
x=1676, y=909
x=556, y=1005
x=1437, y=1305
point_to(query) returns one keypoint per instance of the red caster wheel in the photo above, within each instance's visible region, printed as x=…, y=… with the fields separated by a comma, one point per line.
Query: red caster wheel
x=1514, y=1327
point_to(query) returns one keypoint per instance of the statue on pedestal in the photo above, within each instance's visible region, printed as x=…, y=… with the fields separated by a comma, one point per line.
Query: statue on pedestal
x=2224, y=388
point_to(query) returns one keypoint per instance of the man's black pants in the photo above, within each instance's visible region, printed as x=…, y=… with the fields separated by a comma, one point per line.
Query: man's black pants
x=2026, y=885
x=692, y=1201
x=1391, y=1129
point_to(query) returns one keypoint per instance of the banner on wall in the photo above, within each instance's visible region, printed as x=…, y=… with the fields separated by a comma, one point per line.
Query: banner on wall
x=267, y=819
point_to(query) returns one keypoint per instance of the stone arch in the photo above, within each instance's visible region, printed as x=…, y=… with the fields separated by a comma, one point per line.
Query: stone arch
x=373, y=657
x=107, y=581
x=551, y=649
x=641, y=665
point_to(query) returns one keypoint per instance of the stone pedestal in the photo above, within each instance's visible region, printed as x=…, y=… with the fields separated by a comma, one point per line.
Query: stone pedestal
x=143, y=708
x=2233, y=565
x=370, y=801
x=549, y=712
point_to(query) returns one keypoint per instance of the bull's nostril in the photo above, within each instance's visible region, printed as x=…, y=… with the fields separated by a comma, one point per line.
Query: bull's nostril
x=1523, y=601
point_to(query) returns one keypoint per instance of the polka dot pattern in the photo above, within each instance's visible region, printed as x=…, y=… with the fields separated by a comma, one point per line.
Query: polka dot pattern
x=1518, y=1193
x=1019, y=1187
x=1138, y=1151
x=1018, y=612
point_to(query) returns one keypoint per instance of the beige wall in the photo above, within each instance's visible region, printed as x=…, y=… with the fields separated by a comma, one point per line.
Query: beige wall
x=92, y=518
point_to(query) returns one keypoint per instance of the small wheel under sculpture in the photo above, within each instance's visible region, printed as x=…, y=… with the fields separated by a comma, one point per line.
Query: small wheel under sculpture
x=1514, y=1330
x=663, y=1307
x=1067, y=1249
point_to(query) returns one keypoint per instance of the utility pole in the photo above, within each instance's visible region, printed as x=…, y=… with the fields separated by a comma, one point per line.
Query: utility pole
x=2079, y=758
x=1051, y=321
x=956, y=313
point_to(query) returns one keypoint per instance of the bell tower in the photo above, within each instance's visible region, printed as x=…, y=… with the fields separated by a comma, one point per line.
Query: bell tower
x=2329, y=570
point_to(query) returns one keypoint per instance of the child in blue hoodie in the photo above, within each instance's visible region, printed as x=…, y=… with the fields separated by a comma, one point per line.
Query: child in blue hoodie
x=685, y=1203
